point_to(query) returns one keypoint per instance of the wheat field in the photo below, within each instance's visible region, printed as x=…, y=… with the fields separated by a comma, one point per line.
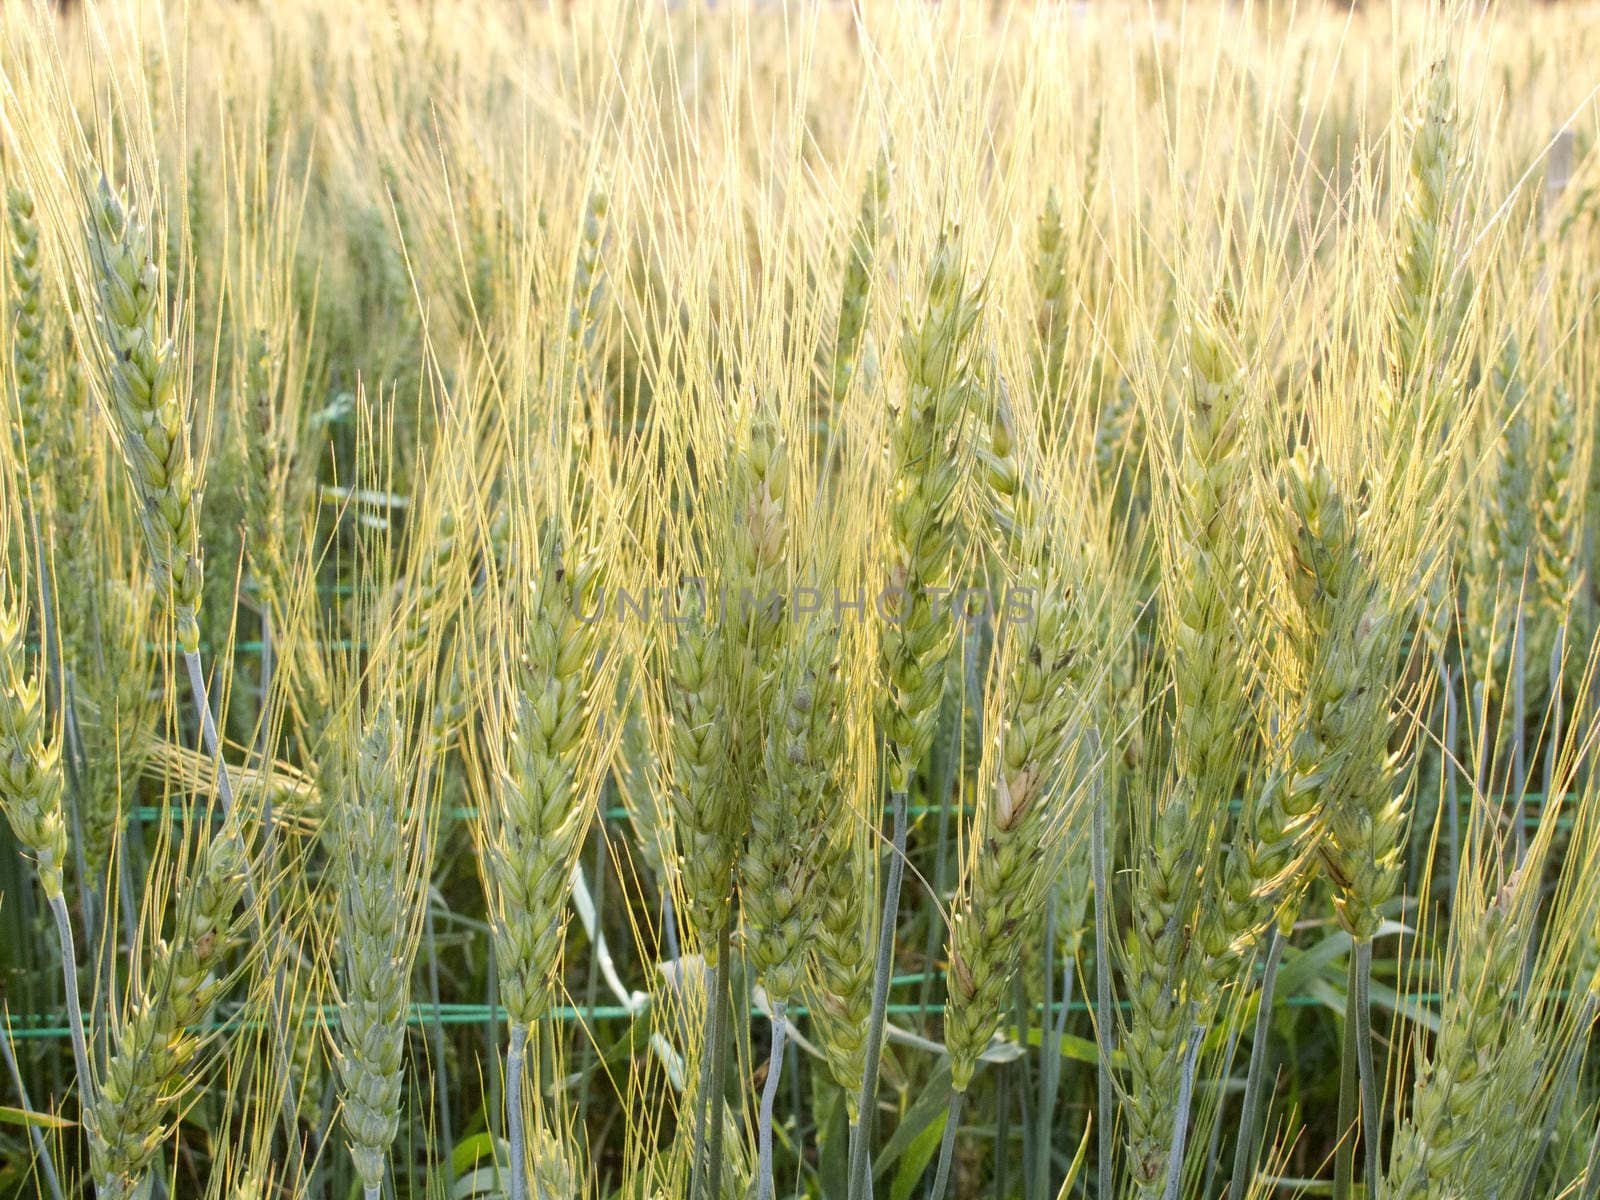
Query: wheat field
x=637, y=600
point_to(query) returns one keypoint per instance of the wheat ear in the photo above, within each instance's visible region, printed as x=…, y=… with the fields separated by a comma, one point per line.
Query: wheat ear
x=805, y=743
x=1501, y=550
x=862, y=251
x=1052, y=246
x=142, y=378
x=29, y=362
x=1476, y=1087
x=928, y=470
x=842, y=958
x=1556, y=524
x=699, y=738
x=381, y=893
x=1423, y=318
x=156, y=1044
x=1346, y=640
x=1017, y=839
x=544, y=798
x=789, y=817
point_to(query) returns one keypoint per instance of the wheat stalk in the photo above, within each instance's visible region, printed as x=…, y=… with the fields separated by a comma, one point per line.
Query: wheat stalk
x=30, y=794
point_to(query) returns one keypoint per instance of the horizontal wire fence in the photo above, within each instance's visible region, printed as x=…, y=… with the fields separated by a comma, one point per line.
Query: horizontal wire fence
x=49, y=1027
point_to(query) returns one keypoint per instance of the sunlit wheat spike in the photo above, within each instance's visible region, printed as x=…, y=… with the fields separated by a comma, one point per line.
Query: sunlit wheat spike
x=141, y=370
x=935, y=414
x=544, y=789
x=1346, y=641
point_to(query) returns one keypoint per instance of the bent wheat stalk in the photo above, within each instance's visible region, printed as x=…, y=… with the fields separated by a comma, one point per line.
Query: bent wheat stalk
x=30, y=794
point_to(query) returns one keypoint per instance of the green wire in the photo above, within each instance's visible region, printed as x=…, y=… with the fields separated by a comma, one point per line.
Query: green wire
x=476, y=1014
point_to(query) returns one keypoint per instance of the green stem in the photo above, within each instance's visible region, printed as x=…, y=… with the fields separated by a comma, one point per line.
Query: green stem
x=1370, y=1115
x=69, y=979
x=860, y=1157
x=1051, y=1035
x=1519, y=722
x=1452, y=805
x=208, y=728
x=1344, y=1161
x=1180, y=1124
x=516, y=1133
x=769, y=1095
x=436, y=1033
x=1244, y=1151
x=719, y=1057
x=1019, y=1004
x=947, y=1146
x=1102, y=981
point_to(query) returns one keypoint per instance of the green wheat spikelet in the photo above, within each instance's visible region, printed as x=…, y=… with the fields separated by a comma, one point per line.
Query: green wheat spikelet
x=842, y=957
x=1475, y=1090
x=708, y=831
x=1017, y=844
